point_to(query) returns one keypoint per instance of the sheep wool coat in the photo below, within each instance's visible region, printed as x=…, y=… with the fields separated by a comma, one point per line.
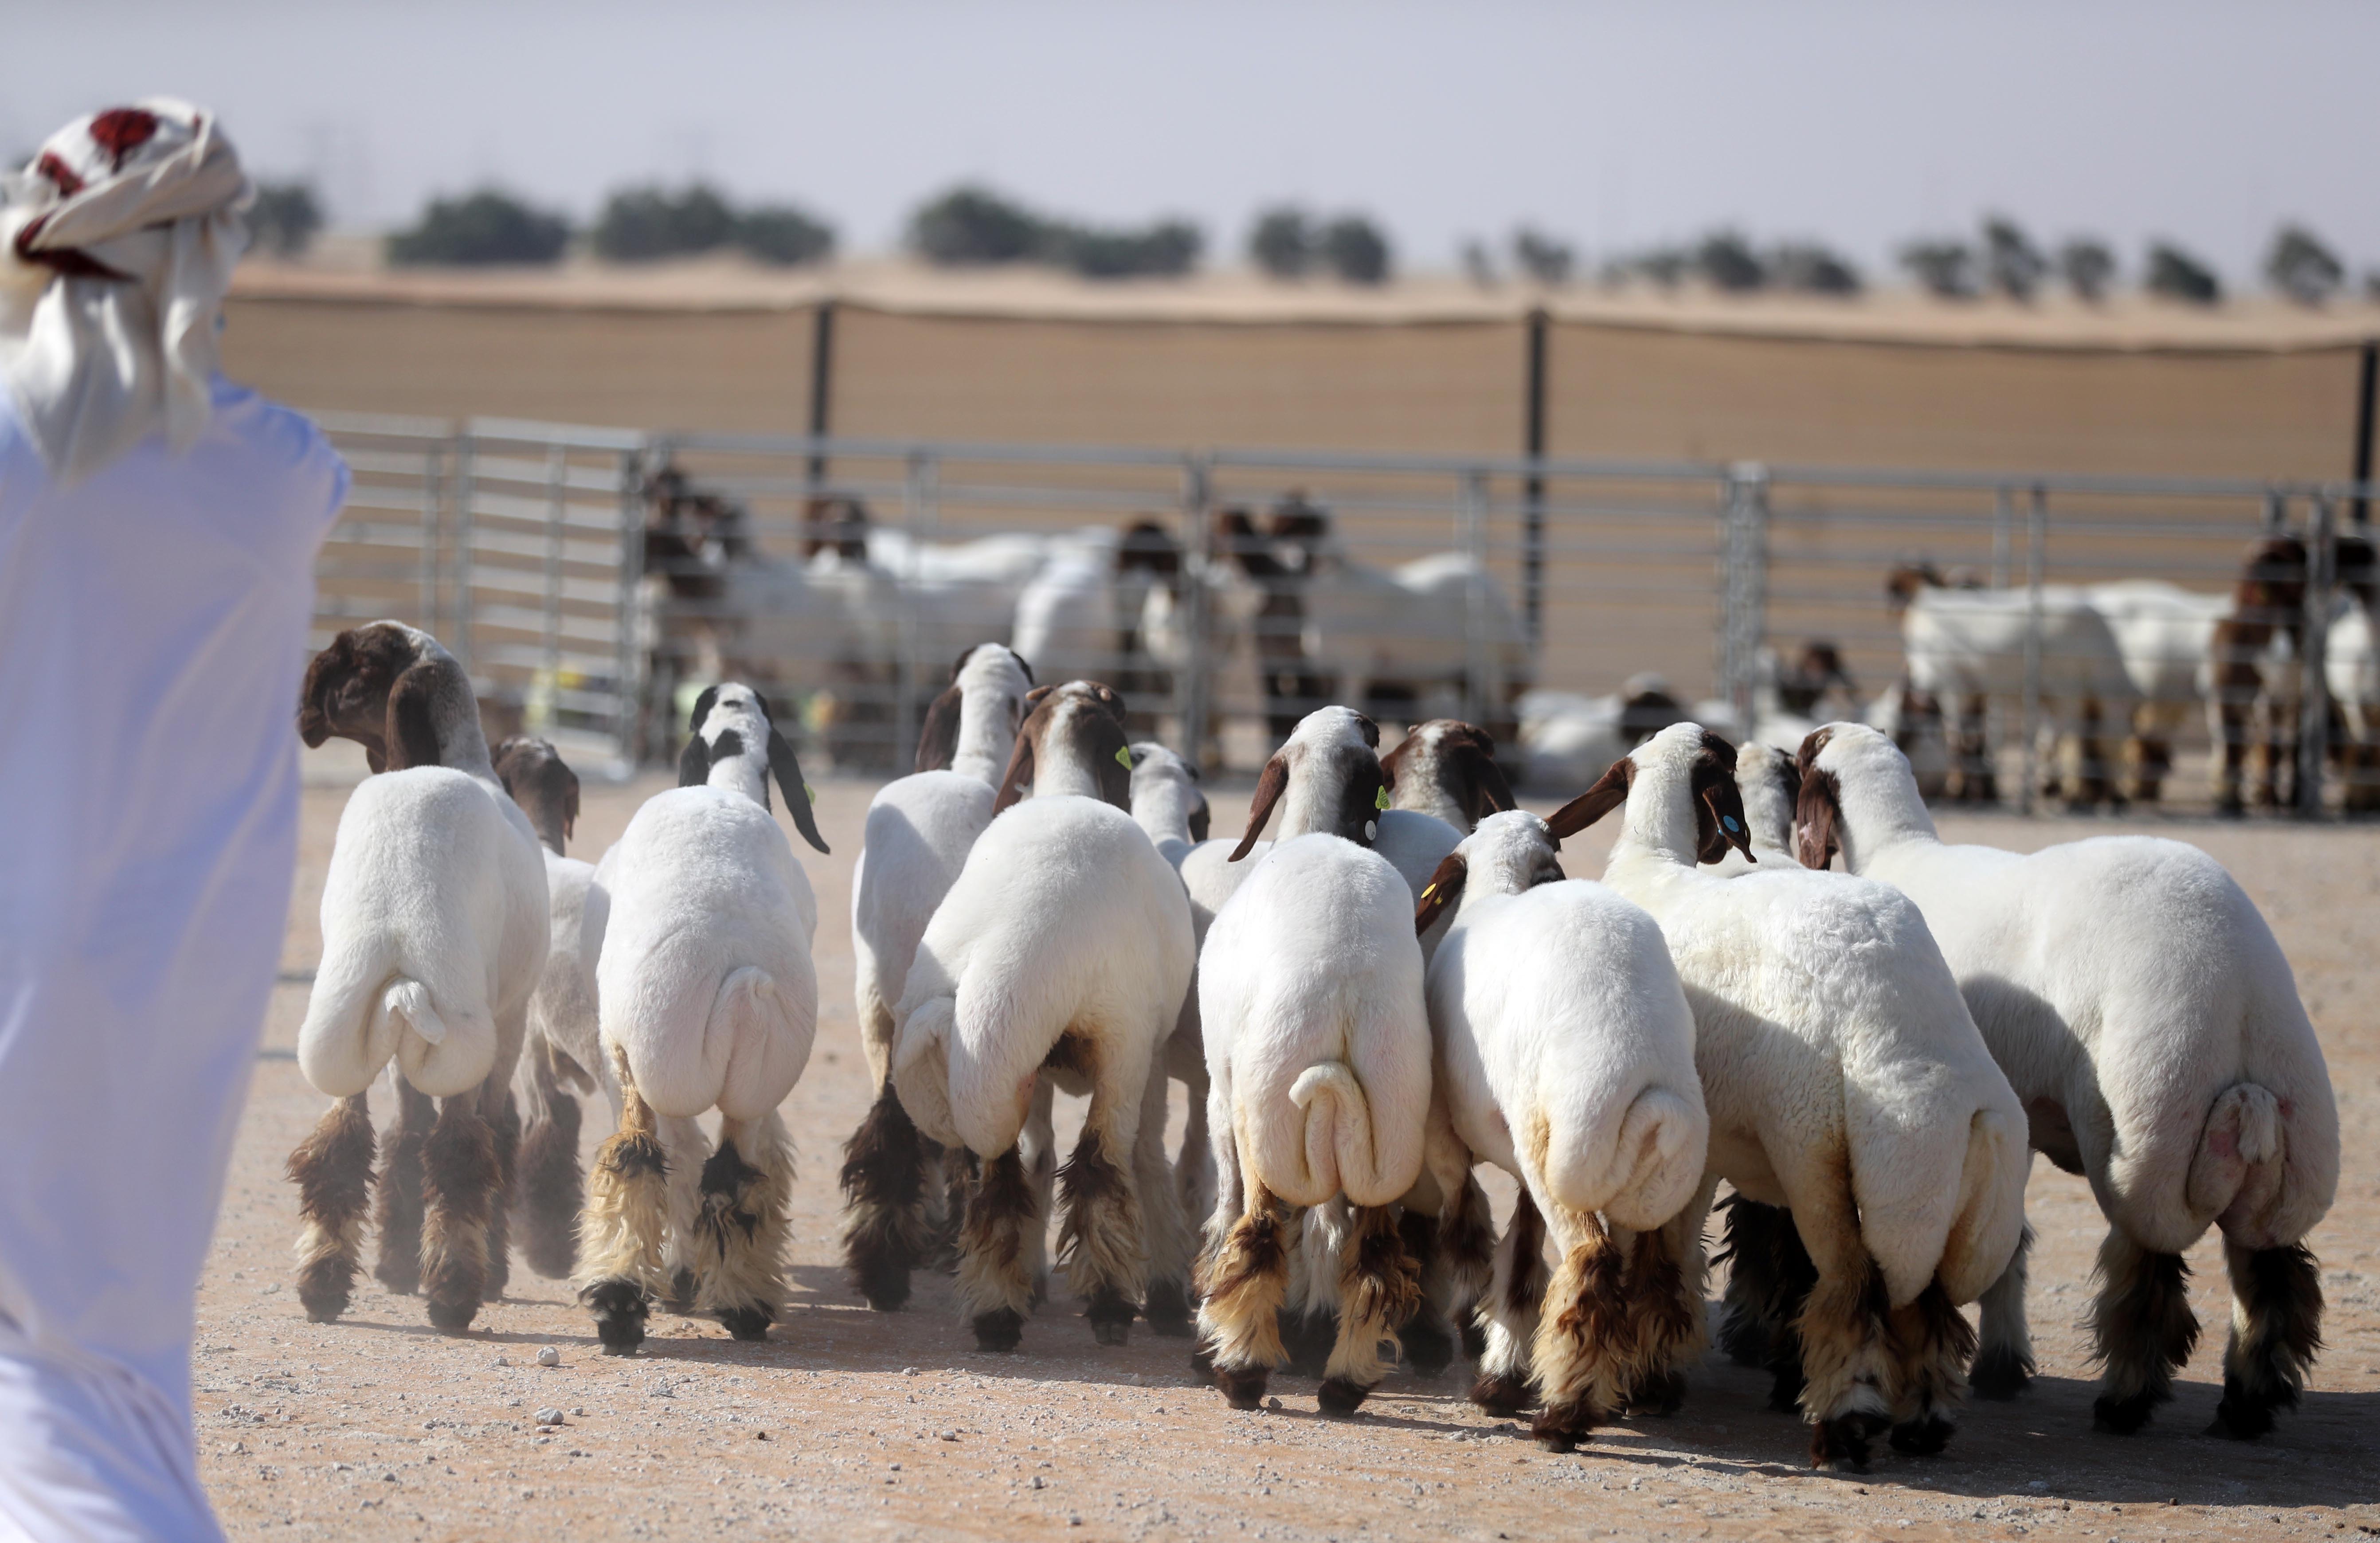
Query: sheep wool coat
x=153, y=624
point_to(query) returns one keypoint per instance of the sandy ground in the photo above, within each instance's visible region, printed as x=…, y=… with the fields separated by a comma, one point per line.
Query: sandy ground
x=850, y=1424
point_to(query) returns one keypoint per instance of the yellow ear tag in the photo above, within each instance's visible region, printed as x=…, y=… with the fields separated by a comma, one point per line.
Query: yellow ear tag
x=1380, y=800
x=1123, y=757
x=1429, y=890
x=809, y=793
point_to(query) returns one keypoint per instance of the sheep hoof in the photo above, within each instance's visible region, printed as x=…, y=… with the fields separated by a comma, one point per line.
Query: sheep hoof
x=1001, y=1329
x=324, y=1289
x=2240, y=1415
x=1166, y=1307
x=1474, y=1339
x=1340, y=1397
x=450, y=1316
x=1428, y=1348
x=620, y=1308
x=1844, y=1441
x=2122, y=1416
x=1241, y=1387
x=1662, y=1394
x=1503, y=1394
x=1560, y=1425
x=1923, y=1438
x=1999, y=1373
x=884, y=1283
x=1111, y=1313
x=747, y=1323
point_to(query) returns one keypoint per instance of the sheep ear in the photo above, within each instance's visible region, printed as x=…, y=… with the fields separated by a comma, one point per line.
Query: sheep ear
x=1489, y=789
x=702, y=706
x=1270, y=784
x=322, y=677
x=788, y=772
x=1608, y=792
x=1718, y=818
x=938, y=742
x=1019, y=775
x=1023, y=663
x=1200, y=822
x=1113, y=758
x=1445, y=887
x=694, y=763
x=412, y=734
x=1815, y=813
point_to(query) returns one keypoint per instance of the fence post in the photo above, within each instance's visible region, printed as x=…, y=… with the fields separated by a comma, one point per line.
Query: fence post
x=628, y=666
x=919, y=516
x=1747, y=622
x=1198, y=545
x=432, y=467
x=2003, y=512
x=557, y=493
x=2037, y=543
x=2314, y=716
x=466, y=453
x=1476, y=708
x=1532, y=490
x=821, y=386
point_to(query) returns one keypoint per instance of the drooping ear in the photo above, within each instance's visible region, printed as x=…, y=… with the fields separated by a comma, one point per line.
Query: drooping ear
x=938, y=742
x=1719, y=822
x=1112, y=757
x=964, y=654
x=569, y=802
x=1609, y=792
x=1270, y=784
x=1489, y=792
x=412, y=734
x=1023, y=663
x=1019, y=775
x=1813, y=744
x=702, y=706
x=1371, y=731
x=322, y=677
x=1033, y=698
x=694, y=763
x=1445, y=887
x=1201, y=821
x=1815, y=813
x=788, y=772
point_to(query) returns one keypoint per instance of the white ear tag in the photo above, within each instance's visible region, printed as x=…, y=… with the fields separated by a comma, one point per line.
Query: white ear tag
x=1371, y=830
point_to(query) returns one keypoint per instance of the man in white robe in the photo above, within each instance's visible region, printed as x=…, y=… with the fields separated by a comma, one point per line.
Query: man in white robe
x=158, y=528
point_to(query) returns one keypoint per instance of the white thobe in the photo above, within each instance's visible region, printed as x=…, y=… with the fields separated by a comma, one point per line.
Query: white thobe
x=154, y=623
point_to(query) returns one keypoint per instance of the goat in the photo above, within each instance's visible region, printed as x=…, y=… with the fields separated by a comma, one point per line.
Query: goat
x=1565, y=1055
x=1058, y=959
x=434, y=934
x=1318, y=1061
x=919, y=831
x=706, y=999
x=1844, y=1080
x=2152, y=1032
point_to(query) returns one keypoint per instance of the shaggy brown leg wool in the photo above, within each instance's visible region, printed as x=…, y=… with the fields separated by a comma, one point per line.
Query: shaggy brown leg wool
x=333, y=1170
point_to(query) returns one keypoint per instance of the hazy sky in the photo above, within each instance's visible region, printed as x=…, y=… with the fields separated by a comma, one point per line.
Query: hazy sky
x=1611, y=125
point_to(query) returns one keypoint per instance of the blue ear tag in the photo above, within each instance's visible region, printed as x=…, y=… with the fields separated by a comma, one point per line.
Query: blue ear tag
x=1380, y=800
x=1729, y=821
x=1123, y=757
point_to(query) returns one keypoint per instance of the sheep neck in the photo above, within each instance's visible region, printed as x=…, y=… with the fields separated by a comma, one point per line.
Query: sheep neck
x=1658, y=822
x=1057, y=771
x=744, y=773
x=1164, y=811
x=1879, y=814
x=987, y=734
x=1312, y=805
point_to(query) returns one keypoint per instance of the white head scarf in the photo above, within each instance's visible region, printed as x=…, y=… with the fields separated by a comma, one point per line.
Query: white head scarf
x=116, y=245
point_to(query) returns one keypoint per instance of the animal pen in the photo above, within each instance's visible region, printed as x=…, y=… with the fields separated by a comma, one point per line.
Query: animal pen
x=584, y=576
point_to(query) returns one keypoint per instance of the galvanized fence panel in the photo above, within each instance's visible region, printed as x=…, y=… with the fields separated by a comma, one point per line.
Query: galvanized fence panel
x=592, y=580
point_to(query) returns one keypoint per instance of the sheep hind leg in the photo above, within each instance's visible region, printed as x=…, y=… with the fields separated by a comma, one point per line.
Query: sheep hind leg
x=1427, y=1335
x=551, y=1190
x=1847, y=1359
x=2003, y=1368
x=2275, y=1332
x=1309, y=1315
x=397, y=1200
x=2142, y=1330
x=690, y=1152
x=1664, y=1324
x=504, y=1124
x=1465, y=1263
x=1245, y=1283
x=1037, y=1146
x=739, y=1233
x=462, y=1189
x=1098, y=1239
x=333, y=1170
x=884, y=1196
x=1932, y=1342
x=625, y=1225
x=995, y=1280
x=1508, y=1314
x=1749, y=1246
x=1581, y=1339
x=1379, y=1287
x=1165, y=1301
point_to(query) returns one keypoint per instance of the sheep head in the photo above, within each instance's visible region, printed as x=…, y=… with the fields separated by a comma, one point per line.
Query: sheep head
x=543, y=785
x=729, y=731
x=1329, y=770
x=1457, y=759
x=1072, y=741
x=389, y=687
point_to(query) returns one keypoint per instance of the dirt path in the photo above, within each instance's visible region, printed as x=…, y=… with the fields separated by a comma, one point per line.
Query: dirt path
x=848, y=1424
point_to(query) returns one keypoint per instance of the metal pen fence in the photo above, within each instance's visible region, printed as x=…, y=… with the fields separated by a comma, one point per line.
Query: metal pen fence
x=589, y=579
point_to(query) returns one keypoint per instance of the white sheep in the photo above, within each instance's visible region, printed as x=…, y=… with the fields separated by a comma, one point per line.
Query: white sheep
x=1058, y=959
x=2152, y=1032
x=434, y=932
x=1565, y=1056
x=706, y=999
x=1845, y=1080
x=919, y=831
x=1317, y=1061
x=562, y=1052
x=2163, y=633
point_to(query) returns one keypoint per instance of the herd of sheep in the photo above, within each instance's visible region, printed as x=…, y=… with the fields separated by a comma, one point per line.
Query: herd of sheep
x=1399, y=985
